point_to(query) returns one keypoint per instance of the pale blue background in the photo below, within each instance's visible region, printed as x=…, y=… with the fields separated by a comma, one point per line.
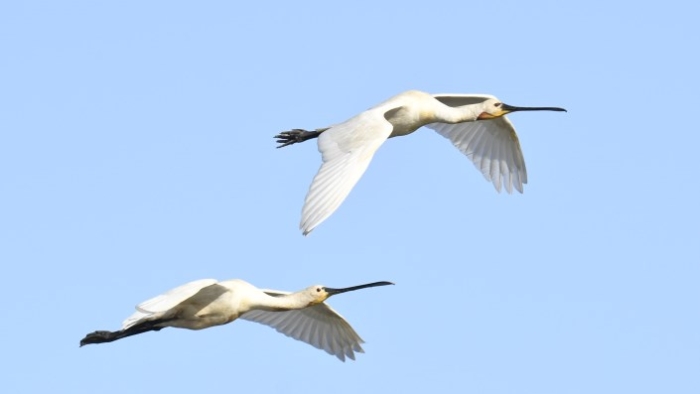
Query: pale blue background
x=136, y=155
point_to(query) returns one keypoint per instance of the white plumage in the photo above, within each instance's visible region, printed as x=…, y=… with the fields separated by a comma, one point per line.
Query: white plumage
x=302, y=315
x=475, y=124
x=493, y=147
x=318, y=325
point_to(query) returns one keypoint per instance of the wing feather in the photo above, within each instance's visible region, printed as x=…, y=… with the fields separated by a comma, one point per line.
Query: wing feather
x=458, y=100
x=492, y=145
x=496, y=166
x=346, y=149
x=166, y=301
x=486, y=142
x=320, y=326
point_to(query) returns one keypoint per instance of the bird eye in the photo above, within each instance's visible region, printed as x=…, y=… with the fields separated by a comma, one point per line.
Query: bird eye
x=318, y=289
x=497, y=105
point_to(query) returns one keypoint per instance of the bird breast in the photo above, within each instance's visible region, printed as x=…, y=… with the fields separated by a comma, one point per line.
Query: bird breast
x=405, y=120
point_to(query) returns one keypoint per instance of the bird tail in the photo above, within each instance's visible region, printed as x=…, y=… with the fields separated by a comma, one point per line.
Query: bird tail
x=110, y=336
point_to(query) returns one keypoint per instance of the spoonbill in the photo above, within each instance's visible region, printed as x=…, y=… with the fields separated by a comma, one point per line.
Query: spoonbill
x=206, y=303
x=475, y=123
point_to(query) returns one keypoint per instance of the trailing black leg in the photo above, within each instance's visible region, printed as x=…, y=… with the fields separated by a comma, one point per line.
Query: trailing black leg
x=109, y=336
x=296, y=135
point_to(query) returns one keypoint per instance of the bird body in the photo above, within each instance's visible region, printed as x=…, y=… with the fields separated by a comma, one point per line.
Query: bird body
x=209, y=303
x=205, y=303
x=406, y=116
x=474, y=123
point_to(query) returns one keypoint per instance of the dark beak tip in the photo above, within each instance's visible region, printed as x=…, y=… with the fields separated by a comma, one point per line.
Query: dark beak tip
x=512, y=108
x=332, y=291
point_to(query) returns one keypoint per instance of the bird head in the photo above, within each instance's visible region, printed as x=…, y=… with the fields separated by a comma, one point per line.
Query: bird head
x=492, y=108
x=316, y=294
x=319, y=293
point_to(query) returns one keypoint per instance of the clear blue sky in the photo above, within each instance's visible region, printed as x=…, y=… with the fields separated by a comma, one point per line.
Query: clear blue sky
x=136, y=154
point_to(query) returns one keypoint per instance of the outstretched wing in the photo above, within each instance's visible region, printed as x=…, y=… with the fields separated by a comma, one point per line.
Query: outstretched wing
x=166, y=301
x=492, y=145
x=347, y=149
x=319, y=325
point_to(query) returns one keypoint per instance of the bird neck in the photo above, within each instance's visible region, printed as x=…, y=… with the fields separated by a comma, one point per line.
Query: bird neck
x=465, y=113
x=283, y=302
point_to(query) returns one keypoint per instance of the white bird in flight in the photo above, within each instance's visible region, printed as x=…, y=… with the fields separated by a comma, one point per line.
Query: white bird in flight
x=475, y=123
x=206, y=303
